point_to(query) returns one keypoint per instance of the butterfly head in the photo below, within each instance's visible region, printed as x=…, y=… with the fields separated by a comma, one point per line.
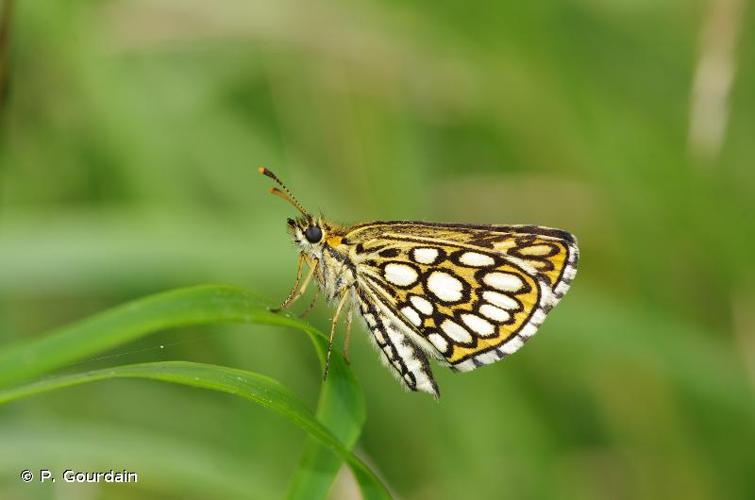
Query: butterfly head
x=308, y=232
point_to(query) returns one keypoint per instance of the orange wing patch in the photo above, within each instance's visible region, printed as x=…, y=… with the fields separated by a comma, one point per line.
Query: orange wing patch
x=467, y=295
x=547, y=256
x=466, y=307
x=507, y=308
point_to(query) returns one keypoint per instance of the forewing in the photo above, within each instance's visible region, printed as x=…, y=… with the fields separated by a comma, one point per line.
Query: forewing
x=467, y=295
x=551, y=254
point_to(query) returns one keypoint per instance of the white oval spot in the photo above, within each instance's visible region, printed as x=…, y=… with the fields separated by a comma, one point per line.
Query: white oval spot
x=475, y=259
x=478, y=325
x=421, y=303
x=456, y=332
x=400, y=274
x=444, y=286
x=425, y=255
x=438, y=341
x=412, y=315
x=506, y=282
x=501, y=300
x=494, y=313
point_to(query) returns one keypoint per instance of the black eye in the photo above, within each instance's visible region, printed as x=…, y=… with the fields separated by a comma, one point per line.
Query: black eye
x=313, y=234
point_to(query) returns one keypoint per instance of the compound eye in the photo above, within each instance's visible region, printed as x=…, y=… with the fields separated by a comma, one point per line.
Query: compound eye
x=313, y=234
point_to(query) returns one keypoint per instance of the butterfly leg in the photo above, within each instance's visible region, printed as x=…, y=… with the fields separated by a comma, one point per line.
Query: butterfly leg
x=294, y=289
x=347, y=339
x=294, y=294
x=334, y=322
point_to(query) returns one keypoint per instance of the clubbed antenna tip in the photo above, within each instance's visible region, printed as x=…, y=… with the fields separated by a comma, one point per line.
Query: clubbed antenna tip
x=285, y=194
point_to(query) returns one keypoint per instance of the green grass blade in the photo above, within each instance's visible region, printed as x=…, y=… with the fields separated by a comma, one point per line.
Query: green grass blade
x=342, y=410
x=130, y=321
x=257, y=388
x=341, y=405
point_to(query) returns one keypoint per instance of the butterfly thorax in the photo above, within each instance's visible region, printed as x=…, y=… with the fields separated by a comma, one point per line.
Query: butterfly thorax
x=325, y=248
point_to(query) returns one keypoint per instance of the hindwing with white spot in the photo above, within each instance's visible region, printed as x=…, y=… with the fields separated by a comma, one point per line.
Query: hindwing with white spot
x=465, y=295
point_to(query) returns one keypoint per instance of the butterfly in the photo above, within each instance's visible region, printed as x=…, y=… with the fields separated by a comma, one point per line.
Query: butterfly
x=464, y=295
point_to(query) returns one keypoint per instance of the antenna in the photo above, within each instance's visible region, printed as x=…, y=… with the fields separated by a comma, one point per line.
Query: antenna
x=285, y=194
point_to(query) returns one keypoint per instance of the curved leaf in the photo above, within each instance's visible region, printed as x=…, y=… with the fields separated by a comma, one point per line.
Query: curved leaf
x=341, y=404
x=121, y=324
x=257, y=388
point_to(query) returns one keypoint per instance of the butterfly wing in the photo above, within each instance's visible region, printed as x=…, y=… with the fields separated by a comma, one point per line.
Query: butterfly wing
x=550, y=253
x=469, y=295
x=399, y=352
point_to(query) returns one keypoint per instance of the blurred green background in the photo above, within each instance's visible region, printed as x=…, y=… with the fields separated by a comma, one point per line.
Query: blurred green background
x=130, y=133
